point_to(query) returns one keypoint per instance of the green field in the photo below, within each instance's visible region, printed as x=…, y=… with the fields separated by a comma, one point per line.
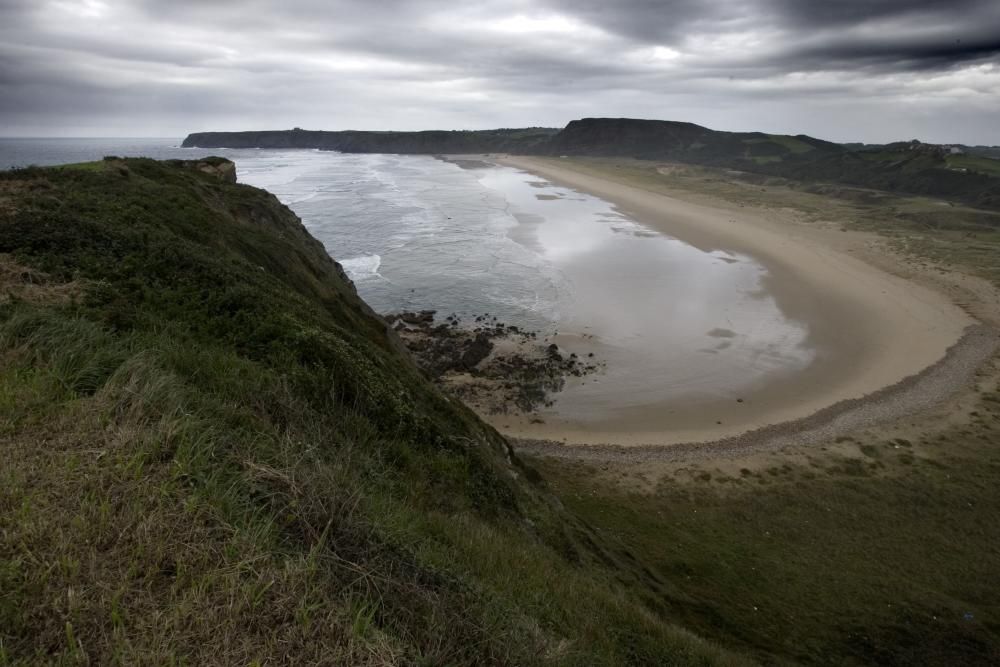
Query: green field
x=881, y=555
x=982, y=165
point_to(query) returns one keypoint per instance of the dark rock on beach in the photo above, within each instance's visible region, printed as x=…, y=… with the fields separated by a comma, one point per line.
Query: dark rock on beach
x=493, y=367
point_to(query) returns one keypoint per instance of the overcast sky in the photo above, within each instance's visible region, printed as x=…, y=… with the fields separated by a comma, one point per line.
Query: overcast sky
x=866, y=70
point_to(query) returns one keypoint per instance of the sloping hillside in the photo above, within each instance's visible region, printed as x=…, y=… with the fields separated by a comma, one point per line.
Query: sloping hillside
x=214, y=453
x=685, y=142
x=911, y=168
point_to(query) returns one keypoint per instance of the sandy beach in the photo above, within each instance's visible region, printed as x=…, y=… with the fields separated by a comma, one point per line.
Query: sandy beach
x=871, y=329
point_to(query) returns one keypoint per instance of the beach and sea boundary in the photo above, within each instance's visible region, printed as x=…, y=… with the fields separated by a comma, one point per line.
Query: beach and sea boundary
x=888, y=346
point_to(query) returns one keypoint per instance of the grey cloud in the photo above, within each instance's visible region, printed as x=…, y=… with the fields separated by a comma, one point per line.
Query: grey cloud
x=658, y=21
x=904, y=53
x=426, y=63
x=852, y=12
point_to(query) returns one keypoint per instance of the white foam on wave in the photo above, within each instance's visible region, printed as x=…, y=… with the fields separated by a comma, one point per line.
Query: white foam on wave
x=360, y=268
x=304, y=198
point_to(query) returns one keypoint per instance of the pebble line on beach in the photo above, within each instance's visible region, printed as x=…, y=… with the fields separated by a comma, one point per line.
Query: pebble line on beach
x=908, y=396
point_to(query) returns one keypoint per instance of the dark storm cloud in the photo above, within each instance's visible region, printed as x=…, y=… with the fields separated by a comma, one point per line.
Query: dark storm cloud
x=892, y=34
x=814, y=34
x=150, y=66
x=813, y=14
x=916, y=54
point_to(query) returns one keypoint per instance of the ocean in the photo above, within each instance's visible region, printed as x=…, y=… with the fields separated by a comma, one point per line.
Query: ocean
x=44, y=152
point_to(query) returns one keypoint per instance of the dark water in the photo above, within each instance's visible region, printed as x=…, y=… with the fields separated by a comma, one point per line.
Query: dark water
x=16, y=153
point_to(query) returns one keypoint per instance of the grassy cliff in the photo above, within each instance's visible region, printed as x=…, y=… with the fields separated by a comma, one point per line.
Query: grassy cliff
x=215, y=453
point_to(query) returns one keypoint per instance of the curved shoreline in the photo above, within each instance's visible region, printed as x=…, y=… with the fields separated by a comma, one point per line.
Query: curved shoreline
x=879, y=334
x=920, y=391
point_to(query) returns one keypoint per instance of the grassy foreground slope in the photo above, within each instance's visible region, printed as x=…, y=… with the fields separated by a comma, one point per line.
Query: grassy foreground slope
x=214, y=453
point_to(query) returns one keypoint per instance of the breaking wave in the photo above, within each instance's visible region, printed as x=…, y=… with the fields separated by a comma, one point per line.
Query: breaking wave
x=360, y=268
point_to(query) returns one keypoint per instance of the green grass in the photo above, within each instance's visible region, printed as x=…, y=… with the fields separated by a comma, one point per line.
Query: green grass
x=214, y=453
x=791, y=143
x=885, y=556
x=786, y=143
x=82, y=166
x=984, y=165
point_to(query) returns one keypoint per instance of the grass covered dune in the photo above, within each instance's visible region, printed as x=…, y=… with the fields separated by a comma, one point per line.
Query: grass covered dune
x=214, y=452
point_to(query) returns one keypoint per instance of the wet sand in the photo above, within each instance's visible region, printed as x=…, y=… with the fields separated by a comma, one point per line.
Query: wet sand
x=870, y=329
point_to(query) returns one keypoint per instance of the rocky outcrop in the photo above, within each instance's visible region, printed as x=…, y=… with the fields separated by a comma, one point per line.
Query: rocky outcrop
x=224, y=170
x=493, y=367
x=219, y=167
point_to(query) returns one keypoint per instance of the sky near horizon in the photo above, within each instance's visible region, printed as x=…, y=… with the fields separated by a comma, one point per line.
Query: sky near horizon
x=844, y=70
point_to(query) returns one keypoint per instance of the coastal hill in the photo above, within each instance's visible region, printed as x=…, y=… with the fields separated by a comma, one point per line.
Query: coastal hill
x=216, y=453
x=955, y=172
x=686, y=142
x=351, y=141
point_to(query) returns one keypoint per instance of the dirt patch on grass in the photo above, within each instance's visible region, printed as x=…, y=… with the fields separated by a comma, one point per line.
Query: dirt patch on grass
x=21, y=283
x=8, y=191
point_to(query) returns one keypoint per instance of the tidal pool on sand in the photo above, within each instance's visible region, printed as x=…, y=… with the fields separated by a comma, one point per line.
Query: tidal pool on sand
x=677, y=327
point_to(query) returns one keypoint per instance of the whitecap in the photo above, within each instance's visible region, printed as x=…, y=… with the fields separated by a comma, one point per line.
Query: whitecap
x=304, y=198
x=360, y=268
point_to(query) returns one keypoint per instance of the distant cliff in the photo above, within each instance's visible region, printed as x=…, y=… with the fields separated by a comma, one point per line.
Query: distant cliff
x=628, y=137
x=353, y=141
x=958, y=173
x=685, y=142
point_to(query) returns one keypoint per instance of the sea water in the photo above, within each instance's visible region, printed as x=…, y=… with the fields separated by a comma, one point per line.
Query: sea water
x=671, y=323
x=44, y=152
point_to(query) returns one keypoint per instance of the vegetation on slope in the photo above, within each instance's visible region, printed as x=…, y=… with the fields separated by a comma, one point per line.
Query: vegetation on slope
x=911, y=168
x=883, y=553
x=214, y=453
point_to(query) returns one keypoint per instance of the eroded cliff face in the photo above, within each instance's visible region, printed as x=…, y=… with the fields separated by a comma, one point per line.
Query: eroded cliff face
x=224, y=170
